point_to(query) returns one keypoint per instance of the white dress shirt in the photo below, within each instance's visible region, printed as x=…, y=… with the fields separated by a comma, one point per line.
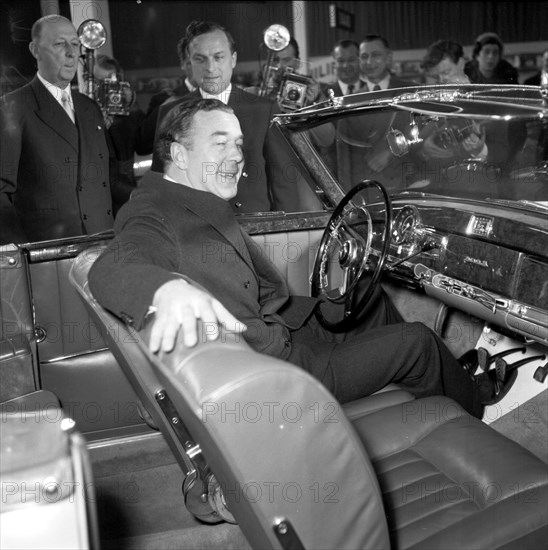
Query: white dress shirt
x=57, y=92
x=223, y=96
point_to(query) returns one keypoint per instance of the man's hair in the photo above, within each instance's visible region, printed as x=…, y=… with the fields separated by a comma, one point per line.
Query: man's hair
x=109, y=64
x=293, y=42
x=374, y=37
x=197, y=28
x=177, y=125
x=39, y=24
x=439, y=50
x=182, y=50
x=345, y=43
x=487, y=38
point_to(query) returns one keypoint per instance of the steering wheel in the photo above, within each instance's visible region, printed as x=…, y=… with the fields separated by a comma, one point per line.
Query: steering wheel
x=345, y=255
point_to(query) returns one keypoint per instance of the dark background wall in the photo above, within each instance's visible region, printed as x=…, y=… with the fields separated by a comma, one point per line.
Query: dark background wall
x=410, y=24
x=145, y=32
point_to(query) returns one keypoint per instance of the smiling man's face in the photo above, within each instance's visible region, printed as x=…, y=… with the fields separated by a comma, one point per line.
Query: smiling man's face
x=212, y=61
x=213, y=162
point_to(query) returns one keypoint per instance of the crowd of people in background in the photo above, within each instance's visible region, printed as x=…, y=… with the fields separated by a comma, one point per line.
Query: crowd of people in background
x=49, y=123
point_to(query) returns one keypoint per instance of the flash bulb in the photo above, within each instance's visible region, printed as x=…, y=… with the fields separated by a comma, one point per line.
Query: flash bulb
x=92, y=34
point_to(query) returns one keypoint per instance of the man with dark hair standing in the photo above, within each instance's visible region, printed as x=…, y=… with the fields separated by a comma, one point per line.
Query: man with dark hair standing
x=212, y=53
x=375, y=63
x=347, y=68
x=157, y=259
x=54, y=179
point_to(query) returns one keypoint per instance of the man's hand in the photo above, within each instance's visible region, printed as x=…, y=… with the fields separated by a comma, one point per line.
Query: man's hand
x=378, y=161
x=179, y=304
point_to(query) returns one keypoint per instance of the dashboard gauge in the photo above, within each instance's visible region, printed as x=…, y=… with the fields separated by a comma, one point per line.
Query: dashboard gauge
x=406, y=224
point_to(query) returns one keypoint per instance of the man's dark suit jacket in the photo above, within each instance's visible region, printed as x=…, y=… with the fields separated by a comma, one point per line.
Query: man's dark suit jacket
x=54, y=175
x=534, y=80
x=265, y=187
x=168, y=229
x=144, y=142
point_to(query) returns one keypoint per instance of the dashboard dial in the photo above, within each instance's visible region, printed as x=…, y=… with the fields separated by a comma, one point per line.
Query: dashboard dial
x=406, y=224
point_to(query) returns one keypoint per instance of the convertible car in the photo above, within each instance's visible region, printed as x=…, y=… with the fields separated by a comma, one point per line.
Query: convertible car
x=439, y=194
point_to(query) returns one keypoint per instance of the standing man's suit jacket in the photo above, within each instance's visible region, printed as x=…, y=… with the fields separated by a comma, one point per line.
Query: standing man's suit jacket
x=534, y=80
x=265, y=187
x=144, y=138
x=167, y=229
x=54, y=176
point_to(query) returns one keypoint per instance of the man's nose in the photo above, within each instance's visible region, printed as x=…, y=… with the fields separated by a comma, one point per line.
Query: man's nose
x=235, y=154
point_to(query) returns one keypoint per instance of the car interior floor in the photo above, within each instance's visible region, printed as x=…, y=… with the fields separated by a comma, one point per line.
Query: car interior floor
x=140, y=504
x=527, y=425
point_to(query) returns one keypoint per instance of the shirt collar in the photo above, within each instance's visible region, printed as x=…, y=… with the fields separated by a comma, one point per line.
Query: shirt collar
x=223, y=96
x=189, y=85
x=55, y=91
x=383, y=83
x=344, y=87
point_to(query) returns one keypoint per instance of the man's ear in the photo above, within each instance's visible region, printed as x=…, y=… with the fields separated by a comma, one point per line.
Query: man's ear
x=33, y=49
x=179, y=155
x=234, y=59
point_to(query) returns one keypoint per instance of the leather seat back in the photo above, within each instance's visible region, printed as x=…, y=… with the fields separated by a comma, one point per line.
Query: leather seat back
x=277, y=441
x=293, y=253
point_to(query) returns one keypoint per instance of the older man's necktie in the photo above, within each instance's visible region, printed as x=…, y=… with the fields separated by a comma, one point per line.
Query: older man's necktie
x=67, y=105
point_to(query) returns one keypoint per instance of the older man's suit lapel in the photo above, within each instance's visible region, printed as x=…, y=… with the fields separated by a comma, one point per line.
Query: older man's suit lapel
x=52, y=114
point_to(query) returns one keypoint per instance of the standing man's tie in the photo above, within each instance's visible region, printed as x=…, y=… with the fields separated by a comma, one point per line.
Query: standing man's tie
x=67, y=105
x=350, y=89
x=376, y=87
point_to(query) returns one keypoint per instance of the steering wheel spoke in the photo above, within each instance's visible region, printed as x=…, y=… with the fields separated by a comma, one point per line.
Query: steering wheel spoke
x=346, y=253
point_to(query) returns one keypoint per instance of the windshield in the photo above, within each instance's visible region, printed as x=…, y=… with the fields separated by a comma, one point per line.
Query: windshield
x=477, y=150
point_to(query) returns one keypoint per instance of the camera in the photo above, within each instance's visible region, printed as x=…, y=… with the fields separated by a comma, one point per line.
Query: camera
x=114, y=97
x=293, y=91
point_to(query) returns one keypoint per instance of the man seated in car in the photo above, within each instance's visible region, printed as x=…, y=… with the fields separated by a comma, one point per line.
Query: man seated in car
x=178, y=238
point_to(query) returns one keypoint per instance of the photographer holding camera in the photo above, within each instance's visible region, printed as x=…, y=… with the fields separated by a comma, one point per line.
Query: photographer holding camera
x=122, y=117
x=286, y=86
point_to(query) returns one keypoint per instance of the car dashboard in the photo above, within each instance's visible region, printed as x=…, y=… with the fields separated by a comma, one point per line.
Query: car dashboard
x=489, y=260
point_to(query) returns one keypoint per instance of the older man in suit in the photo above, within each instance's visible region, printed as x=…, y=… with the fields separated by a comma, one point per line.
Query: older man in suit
x=178, y=230
x=54, y=179
x=212, y=52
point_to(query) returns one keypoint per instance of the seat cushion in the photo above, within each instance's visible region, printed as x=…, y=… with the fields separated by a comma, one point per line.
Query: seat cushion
x=387, y=397
x=450, y=481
